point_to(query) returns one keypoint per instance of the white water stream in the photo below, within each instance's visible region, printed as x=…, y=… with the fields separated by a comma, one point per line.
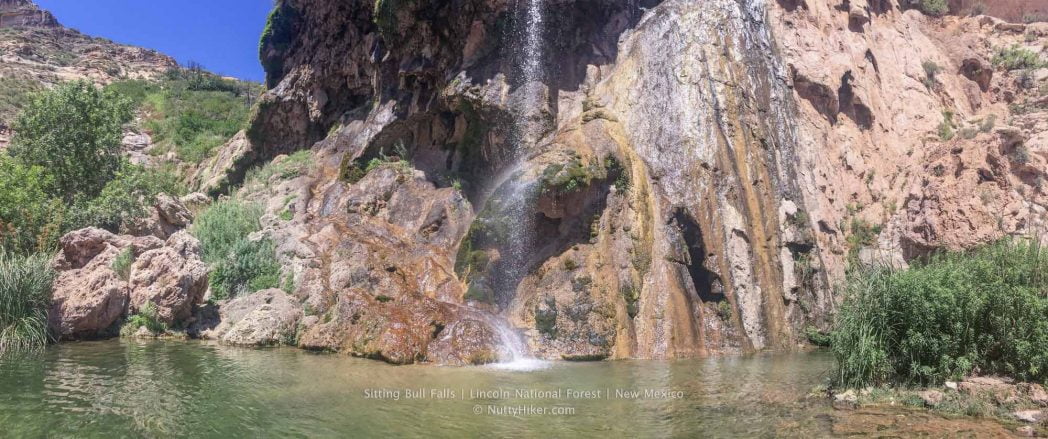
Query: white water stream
x=532, y=75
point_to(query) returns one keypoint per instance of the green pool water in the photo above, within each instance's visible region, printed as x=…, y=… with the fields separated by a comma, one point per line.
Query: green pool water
x=195, y=389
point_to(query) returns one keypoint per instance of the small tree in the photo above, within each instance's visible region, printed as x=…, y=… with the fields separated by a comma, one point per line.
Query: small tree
x=74, y=132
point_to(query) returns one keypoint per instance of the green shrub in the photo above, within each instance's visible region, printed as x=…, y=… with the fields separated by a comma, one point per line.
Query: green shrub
x=1017, y=58
x=25, y=296
x=251, y=266
x=293, y=166
x=30, y=219
x=931, y=70
x=128, y=196
x=935, y=8
x=224, y=225
x=147, y=317
x=122, y=264
x=983, y=310
x=238, y=265
x=946, y=128
x=74, y=132
x=14, y=93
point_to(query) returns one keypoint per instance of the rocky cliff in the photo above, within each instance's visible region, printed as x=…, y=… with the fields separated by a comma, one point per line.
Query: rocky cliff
x=679, y=179
x=37, y=51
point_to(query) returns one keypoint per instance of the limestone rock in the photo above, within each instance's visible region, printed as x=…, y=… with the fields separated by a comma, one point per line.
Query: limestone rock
x=89, y=296
x=1030, y=416
x=931, y=398
x=263, y=318
x=172, y=277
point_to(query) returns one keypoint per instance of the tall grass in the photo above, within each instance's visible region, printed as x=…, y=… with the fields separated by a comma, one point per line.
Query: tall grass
x=25, y=295
x=983, y=311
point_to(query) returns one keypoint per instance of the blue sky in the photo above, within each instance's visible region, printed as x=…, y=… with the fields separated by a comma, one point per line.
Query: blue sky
x=220, y=34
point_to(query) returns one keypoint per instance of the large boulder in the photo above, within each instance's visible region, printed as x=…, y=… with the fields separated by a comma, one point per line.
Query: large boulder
x=171, y=277
x=264, y=318
x=169, y=215
x=89, y=295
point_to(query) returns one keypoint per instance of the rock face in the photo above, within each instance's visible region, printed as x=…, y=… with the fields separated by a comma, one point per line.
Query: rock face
x=171, y=277
x=693, y=178
x=23, y=13
x=91, y=296
x=264, y=318
x=36, y=51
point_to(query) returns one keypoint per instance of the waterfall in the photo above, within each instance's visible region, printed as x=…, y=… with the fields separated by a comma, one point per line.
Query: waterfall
x=527, y=126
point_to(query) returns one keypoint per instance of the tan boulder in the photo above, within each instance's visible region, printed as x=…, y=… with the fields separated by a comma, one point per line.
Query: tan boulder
x=263, y=318
x=89, y=296
x=172, y=277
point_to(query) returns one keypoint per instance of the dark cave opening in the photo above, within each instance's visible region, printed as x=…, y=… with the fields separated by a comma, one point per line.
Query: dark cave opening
x=707, y=283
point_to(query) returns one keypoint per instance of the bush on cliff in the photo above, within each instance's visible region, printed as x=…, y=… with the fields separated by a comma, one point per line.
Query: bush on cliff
x=190, y=112
x=238, y=264
x=25, y=295
x=65, y=172
x=30, y=219
x=982, y=311
x=73, y=132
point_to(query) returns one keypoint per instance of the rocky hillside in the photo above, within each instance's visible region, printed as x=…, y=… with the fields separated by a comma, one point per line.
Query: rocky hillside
x=599, y=178
x=37, y=51
x=705, y=171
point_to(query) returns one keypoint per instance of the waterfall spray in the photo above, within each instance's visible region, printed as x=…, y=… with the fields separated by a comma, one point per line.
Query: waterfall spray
x=519, y=194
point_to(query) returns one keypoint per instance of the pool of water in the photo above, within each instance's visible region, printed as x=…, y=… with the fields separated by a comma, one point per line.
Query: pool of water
x=172, y=388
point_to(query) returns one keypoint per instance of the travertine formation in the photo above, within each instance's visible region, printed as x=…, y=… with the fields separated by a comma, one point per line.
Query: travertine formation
x=698, y=175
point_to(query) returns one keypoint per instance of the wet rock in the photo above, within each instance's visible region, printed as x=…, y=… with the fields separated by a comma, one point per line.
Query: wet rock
x=263, y=318
x=467, y=341
x=1030, y=416
x=846, y=400
x=931, y=398
x=172, y=277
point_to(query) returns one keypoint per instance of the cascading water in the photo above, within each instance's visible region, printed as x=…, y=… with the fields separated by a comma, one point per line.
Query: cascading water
x=527, y=126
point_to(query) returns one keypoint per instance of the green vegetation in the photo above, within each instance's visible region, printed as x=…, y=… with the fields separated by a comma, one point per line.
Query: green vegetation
x=124, y=198
x=946, y=128
x=277, y=35
x=190, y=112
x=239, y=265
x=292, y=166
x=385, y=17
x=122, y=263
x=983, y=310
x=14, y=94
x=1017, y=58
x=724, y=310
x=147, y=317
x=931, y=69
x=65, y=172
x=25, y=296
x=817, y=337
x=74, y=133
x=935, y=8
x=631, y=295
x=30, y=219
